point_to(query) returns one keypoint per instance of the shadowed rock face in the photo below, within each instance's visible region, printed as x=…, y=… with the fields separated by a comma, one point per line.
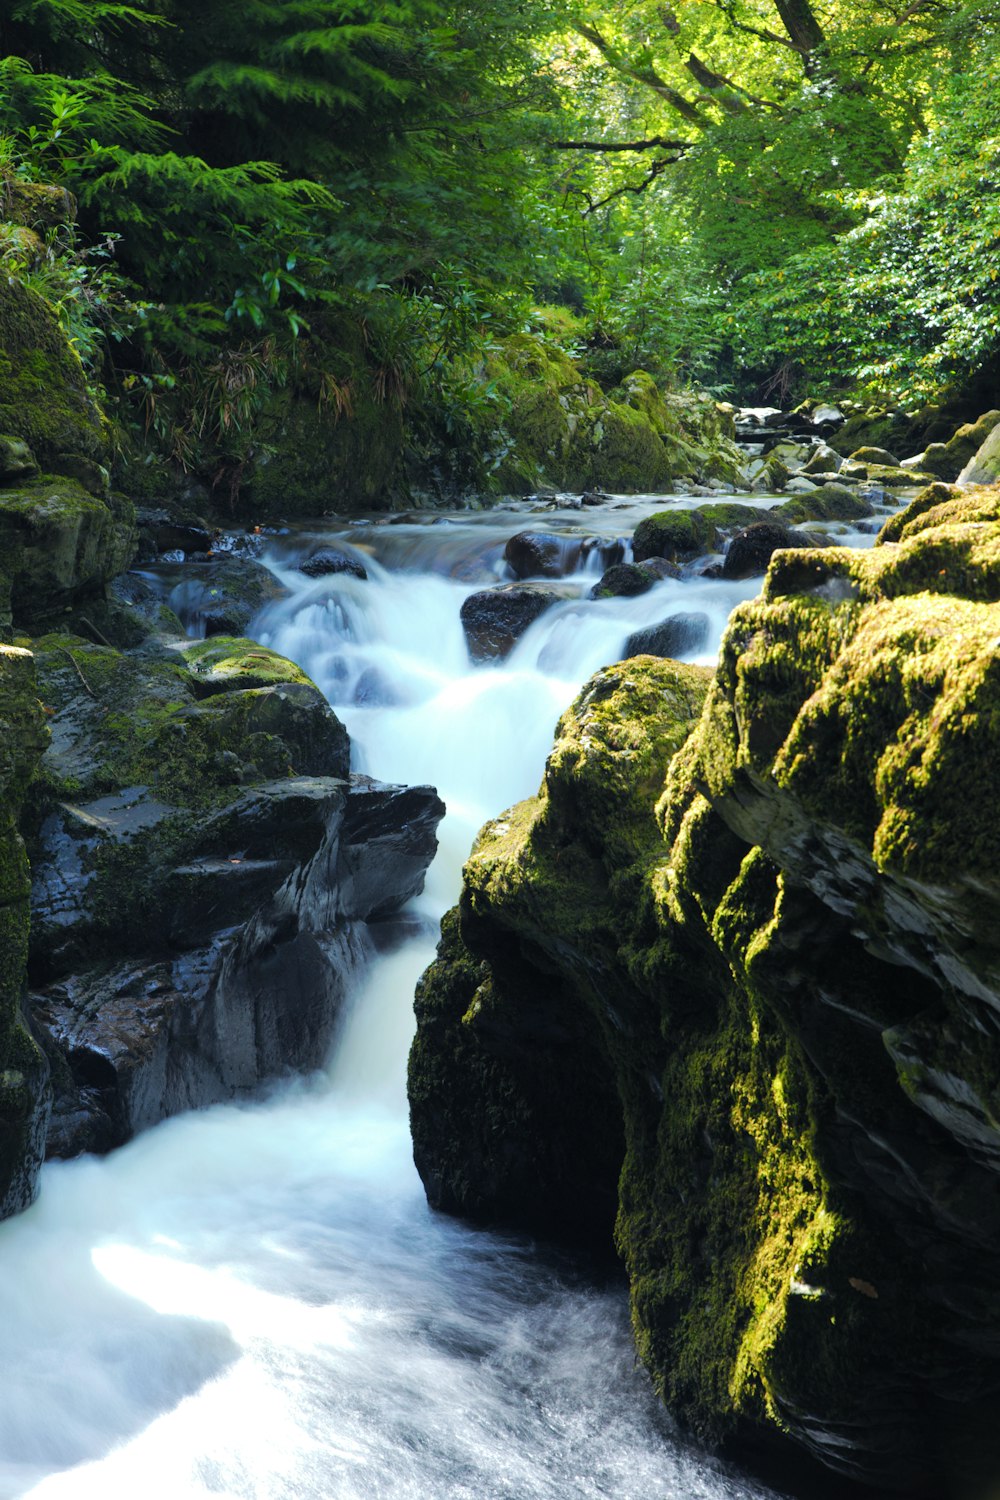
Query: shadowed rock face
x=24, y=1103
x=204, y=870
x=768, y=962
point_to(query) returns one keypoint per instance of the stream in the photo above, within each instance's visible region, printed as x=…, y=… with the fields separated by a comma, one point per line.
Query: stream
x=254, y=1302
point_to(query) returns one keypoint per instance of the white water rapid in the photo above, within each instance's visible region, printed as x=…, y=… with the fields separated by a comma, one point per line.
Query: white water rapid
x=254, y=1302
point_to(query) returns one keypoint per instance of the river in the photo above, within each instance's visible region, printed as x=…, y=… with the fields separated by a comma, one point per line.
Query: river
x=254, y=1302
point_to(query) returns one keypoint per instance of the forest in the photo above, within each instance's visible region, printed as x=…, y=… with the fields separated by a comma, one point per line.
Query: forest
x=499, y=706
x=767, y=199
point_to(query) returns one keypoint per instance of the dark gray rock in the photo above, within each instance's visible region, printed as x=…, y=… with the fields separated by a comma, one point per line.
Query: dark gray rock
x=495, y=619
x=678, y=635
x=751, y=549
x=197, y=932
x=542, y=554
x=222, y=595
x=623, y=581
x=324, y=561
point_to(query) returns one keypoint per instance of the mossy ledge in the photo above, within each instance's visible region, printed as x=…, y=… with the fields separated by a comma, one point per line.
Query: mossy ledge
x=733, y=995
x=24, y=1102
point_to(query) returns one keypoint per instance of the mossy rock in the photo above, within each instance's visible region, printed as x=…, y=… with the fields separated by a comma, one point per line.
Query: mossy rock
x=784, y=966
x=316, y=459
x=560, y=430
x=58, y=545
x=947, y=460
x=514, y=1096
x=677, y=535
x=223, y=663
x=984, y=466
x=24, y=1100
x=828, y=502
x=149, y=752
x=37, y=205
x=44, y=398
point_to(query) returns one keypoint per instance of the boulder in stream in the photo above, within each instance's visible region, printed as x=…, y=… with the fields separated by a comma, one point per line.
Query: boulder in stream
x=731, y=996
x=495, y=619
x=751, y=549
x=204, y=873
x=542, y=554
x=677, y=635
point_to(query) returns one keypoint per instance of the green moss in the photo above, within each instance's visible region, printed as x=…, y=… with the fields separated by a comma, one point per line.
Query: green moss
x=23, y=1100
x=125, y=721
x=60, y=544
x=828, y=502
x=677, y=535
x=225, y=662
x=43, y=393
x=778, y=965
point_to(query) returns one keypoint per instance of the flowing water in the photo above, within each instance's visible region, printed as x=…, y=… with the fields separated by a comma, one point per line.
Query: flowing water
x=254, y=1302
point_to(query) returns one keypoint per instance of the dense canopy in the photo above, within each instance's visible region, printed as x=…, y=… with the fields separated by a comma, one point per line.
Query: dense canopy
x=771, y=198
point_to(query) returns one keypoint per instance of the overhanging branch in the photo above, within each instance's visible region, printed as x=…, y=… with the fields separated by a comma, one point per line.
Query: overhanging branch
x=652, y=143
x=657, y=168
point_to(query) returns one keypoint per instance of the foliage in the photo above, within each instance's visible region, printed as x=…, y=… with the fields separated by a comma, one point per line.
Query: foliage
x=911, y=298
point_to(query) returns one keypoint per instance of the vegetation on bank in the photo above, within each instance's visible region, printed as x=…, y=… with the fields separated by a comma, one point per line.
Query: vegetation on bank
x=313, y=226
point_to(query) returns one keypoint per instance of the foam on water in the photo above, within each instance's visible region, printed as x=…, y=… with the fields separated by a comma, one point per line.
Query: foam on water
x=255, y=1302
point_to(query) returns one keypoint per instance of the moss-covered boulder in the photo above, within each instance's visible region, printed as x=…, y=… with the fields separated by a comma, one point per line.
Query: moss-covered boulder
x=984, y=466
x=677, y=535
x=513, y=1075
x=43, y=394
x=202, y=867
x=562, y=431
x=947, y=460
x=59, y=545
x=770, y=960
x=146, y=751
x=24, y=1101
x=828, y=502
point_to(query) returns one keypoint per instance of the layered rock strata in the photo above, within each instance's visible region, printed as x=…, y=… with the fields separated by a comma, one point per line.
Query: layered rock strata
x=731, y=995
x=205, y=870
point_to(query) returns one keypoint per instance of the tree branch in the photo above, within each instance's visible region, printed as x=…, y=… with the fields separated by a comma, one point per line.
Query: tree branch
x=656, y=169
x=647, y=76
x=802, y=27
x=651, y=144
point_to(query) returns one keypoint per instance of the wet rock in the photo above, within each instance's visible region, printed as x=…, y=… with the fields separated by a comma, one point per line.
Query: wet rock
x=659, y=568
x=540, y=554
x=161, y=531
x=324, y=561
x=495, y=619
x=677, y=635
x=222, y=596
x=750, y=550
x=676, y=535
x=373, y=691
x=200, y=897
x=766, y=956
x=624, y=580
